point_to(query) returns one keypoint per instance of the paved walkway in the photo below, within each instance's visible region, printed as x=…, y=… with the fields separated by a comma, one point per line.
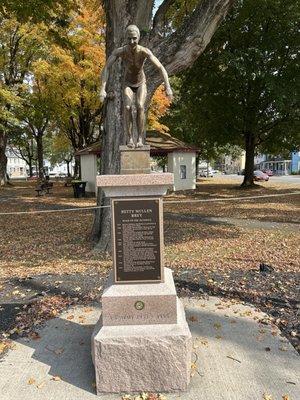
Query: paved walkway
x=245, y=223
x=235, y=357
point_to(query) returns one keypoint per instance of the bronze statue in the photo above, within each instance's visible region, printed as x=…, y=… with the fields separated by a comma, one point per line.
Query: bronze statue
x=134, y=57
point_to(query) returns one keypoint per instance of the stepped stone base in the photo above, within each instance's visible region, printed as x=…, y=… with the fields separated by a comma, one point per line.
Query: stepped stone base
x=158, y=302
x=137, y=358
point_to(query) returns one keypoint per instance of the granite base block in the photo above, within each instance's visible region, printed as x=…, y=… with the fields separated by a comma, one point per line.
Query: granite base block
x=135, y=161
x=154, y=184
x=159, y=302
x=139, y=358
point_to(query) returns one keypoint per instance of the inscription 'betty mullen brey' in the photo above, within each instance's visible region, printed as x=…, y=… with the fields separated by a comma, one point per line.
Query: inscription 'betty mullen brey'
x=137, y=240
x=134, y=57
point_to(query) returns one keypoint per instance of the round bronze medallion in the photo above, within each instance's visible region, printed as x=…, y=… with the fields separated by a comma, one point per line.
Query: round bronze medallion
x=139, y=305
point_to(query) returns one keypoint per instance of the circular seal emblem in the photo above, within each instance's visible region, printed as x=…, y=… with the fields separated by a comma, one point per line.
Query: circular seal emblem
x=139, y=305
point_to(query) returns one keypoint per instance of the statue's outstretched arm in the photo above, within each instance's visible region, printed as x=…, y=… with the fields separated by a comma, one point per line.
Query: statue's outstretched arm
x=105, y=72
x=155, y=61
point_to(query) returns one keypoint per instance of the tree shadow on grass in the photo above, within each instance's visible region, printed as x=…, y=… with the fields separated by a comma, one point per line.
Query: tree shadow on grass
x=180, y=228
x=35, y=288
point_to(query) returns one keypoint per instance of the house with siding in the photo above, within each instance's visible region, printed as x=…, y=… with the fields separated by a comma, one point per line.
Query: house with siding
x=16, y=166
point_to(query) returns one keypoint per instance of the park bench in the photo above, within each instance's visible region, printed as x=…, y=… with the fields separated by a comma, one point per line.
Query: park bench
x=44, y=187
x=68, y=181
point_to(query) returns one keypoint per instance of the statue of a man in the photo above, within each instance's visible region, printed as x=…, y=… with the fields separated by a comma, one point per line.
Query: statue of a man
x=134, y=57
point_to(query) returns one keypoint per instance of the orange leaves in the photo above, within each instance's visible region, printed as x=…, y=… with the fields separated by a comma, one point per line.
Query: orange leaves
x=5, y=345
x=72, y=71
x=158, y=107
x=56, y=378
x=267, y=396
x=144, y=396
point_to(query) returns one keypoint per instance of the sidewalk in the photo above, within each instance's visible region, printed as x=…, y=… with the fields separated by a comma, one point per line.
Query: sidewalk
x=237, y=355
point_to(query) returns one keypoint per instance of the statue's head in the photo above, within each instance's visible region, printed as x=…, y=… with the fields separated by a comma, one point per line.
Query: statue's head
x=132, y=35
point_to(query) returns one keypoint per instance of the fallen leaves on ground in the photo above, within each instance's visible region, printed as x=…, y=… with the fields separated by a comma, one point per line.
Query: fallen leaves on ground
x=37, y=313
x=219, y=257
x=41, y=385
x=56, y=378
x=5, y=345
x=267, y=396
x=145, y=396
x=198, y=342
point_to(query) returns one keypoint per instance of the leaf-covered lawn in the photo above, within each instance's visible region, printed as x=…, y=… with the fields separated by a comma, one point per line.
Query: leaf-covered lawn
x=213, y=247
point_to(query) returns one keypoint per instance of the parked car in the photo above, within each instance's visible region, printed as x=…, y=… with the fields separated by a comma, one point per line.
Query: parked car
x=206, y=174
x=269, y=172
x=260, y=176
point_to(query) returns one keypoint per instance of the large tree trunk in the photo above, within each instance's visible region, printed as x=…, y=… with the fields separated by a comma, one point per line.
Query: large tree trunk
x=3, y=158
x=117, y=19
x=30, y=168
x=68, y=168
x=177, y=52
x=249, y=164
x=77, y=172
x=40, y=155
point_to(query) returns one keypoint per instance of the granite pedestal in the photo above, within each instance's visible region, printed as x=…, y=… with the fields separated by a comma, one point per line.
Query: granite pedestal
x=158, y=302
x=136, y=358
x=142, y=341
x=135, y=161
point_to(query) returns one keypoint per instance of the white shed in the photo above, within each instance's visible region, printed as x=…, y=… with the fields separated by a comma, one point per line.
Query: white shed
x=183, y=166
x=88, y=166
x=181, y=160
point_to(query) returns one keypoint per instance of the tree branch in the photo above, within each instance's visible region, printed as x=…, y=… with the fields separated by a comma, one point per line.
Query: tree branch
x=160, y=16
x=179, y=50
x=42, y=130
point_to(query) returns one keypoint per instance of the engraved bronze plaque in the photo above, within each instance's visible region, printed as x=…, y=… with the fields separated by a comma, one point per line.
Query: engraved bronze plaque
x=137, y=238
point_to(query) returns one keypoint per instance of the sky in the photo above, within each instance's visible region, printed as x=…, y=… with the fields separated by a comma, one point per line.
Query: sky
x=157, y=4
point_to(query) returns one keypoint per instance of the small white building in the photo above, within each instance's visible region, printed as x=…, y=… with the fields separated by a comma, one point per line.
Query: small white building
x=16, y=166
x=181, y=160
x=88, y=166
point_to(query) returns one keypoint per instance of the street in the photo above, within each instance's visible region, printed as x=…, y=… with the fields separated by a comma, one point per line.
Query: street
x=288, y=179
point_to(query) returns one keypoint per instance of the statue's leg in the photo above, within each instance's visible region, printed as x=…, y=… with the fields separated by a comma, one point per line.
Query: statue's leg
x=128, y=99
x=140, y=108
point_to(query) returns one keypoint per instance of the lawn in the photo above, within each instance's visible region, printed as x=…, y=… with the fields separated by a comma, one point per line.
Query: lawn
x=214, y=247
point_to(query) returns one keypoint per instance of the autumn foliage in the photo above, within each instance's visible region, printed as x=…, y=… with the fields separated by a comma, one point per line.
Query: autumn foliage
x=158, y=107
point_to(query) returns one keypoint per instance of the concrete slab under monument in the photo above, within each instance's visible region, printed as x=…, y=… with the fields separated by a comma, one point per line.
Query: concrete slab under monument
x=63, y=351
